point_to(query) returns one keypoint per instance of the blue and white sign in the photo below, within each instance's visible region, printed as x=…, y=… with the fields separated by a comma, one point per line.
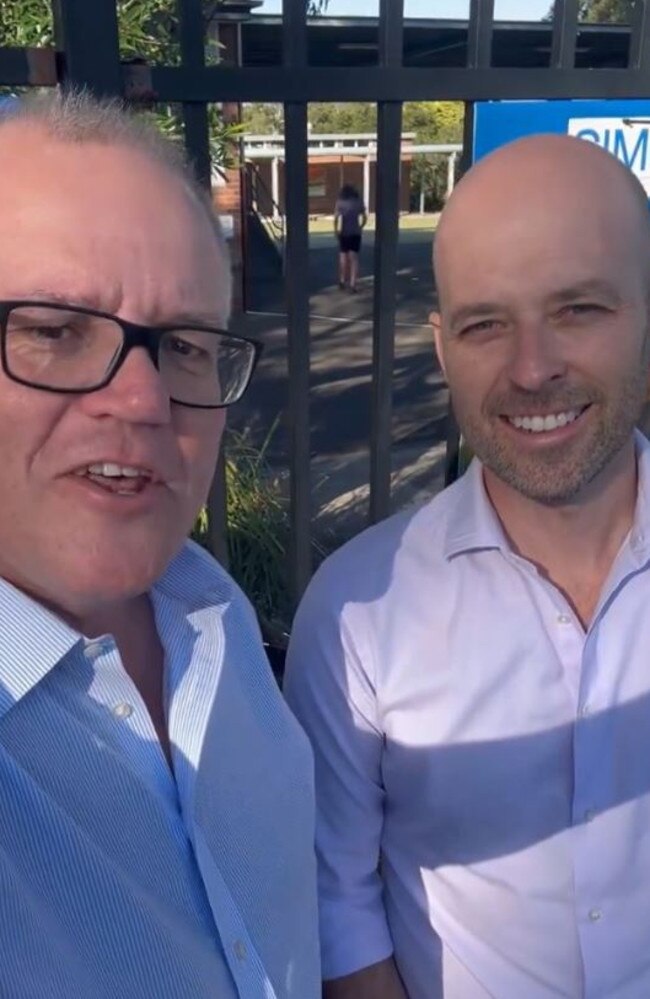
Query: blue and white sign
x=621, y=127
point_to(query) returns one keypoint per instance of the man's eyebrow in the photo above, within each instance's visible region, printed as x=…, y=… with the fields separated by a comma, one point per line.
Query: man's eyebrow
x=92, y=302
x=194, y=319
x=594, y=286
x=58, y=298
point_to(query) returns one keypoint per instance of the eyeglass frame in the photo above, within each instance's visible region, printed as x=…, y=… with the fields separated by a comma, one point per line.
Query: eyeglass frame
x=133, y=335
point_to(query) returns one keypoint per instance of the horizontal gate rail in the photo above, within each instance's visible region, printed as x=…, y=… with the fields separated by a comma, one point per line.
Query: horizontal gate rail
x=281, y=84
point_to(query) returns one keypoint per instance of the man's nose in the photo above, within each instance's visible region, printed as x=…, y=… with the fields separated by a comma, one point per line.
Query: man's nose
x=536, y=356
x=136, y=394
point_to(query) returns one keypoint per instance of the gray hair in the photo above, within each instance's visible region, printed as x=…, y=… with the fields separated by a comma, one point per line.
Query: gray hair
x=77, y=116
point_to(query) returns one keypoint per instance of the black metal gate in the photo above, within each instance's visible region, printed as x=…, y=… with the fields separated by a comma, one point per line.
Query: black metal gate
x=87, y=54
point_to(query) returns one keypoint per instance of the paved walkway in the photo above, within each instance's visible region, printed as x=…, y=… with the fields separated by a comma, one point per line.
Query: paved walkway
x=341, y=351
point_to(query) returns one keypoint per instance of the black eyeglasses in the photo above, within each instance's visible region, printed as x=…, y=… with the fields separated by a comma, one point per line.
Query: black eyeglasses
x=62, y=348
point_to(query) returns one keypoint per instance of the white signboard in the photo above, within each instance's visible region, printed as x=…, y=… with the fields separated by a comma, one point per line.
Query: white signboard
x=626, y=138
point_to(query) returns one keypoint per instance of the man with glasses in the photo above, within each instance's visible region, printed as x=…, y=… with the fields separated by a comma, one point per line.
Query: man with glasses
x=155, y=794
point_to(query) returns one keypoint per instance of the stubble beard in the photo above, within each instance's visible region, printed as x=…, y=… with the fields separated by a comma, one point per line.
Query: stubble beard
x=560, y=474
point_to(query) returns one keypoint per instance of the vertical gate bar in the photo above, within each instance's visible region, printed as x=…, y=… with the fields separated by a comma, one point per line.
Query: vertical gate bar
x=87, y=35
x=294, y=23
x=195, y=114
x=197, y=144
x=565, y=34
x=479, y=55
x=479, y=33
x=639, y=54
x=387, y=194
x=452, y=450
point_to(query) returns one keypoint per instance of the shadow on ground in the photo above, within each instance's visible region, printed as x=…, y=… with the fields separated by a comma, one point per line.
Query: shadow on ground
x=340, y=388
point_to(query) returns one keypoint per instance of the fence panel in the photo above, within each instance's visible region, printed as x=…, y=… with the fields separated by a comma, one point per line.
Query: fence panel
x=88, y=55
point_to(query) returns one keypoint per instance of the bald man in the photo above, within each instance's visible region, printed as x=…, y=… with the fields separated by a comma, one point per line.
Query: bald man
x=475, y=675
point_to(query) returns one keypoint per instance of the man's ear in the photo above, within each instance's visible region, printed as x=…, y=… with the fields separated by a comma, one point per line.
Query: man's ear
x=436, y=322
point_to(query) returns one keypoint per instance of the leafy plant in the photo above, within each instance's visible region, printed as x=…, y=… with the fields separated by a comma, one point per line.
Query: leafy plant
x=258, y=533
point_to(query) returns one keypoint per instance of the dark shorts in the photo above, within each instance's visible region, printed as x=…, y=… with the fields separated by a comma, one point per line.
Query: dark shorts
x=350, y=244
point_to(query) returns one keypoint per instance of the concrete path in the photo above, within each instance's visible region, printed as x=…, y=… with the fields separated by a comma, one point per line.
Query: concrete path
x=341, y=353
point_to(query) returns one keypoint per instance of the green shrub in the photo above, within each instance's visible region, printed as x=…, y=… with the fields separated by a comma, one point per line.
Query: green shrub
x=258, y=533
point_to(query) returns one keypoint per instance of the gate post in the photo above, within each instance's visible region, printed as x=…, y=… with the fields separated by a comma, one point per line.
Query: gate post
x=87, y=37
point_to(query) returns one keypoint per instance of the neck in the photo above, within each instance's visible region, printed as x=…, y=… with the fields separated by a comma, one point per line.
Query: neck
x=575, y=544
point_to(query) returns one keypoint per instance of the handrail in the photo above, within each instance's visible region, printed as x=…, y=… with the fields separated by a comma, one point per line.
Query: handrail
x=274, y=223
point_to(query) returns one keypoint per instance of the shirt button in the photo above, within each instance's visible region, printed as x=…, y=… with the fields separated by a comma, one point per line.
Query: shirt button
x=563, y=619
x=585, y=710
x=590, y=815
x=94, y=650
x=595, y=915
x=123, y=710
x=239, y=948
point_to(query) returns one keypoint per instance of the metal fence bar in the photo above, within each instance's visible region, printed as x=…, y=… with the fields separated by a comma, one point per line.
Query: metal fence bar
x=297, y=297
x=316, y=83
x=639, y=53
x=479, y=56
x=479, y=33
x=197, y=144
x=87, y=35
x=389, y=131
x=452, y=430
x=28, y=67
x=565, y=34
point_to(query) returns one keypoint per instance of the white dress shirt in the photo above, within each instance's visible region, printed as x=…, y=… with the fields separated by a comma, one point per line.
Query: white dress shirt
x=485, y=754
x=120, y=877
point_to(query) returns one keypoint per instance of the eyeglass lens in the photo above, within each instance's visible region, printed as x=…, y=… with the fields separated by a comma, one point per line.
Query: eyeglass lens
x=75, y=351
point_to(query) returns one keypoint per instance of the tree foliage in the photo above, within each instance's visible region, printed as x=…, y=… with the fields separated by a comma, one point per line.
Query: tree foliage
x=148, y=29
x=604, y=11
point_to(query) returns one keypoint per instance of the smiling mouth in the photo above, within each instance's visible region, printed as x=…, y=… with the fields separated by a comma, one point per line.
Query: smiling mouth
x=539, y=424
x=121, y=480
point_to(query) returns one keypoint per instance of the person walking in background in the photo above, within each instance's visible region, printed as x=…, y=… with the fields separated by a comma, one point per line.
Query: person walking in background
x=349, y=220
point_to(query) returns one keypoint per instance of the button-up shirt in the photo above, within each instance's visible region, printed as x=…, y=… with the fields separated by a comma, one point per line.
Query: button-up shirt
x=120, y=876
x=482, y=762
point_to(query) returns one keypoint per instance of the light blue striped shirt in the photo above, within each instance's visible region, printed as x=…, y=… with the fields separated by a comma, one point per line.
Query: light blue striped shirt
x=119, y=879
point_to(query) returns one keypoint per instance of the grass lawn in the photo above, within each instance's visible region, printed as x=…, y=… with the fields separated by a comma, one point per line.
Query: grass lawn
x=325, y=223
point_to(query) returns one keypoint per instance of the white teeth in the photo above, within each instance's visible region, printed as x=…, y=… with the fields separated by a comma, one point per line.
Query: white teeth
x=540, y=424
x=111, y=471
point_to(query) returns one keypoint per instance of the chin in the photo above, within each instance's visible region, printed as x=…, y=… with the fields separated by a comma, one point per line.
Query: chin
x=110, y=577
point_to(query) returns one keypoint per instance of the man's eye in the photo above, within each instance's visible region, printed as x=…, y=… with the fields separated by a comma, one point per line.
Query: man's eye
x=47, y=332
x=177, y=345
x=483, y=326
x=582, y=309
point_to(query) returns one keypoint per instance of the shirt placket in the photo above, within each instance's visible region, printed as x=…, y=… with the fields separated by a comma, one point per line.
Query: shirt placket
x=130, y=723
x=598, y=920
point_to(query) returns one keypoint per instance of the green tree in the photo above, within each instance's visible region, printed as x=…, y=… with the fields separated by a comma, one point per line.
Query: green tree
x=346, y=118
x=434, y=121
x=147, y=27
x=263, y=119
x=147, y=30
x=604, y=11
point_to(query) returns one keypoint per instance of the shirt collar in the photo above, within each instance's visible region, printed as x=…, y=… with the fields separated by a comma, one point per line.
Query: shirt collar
x=474, y=524
x=32, y=641
x=195, y=580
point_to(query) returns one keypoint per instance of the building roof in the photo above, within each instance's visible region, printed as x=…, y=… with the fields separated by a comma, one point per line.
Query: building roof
x=352, y=41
